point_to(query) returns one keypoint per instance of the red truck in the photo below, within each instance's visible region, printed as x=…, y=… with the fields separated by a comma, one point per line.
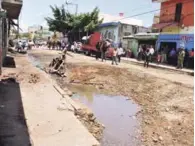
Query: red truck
x=89, y=48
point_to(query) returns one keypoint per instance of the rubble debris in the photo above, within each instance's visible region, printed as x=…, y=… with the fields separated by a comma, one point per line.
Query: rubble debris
x=34, y=78
x=89, y=120
x=160, y=138
x=154, y=139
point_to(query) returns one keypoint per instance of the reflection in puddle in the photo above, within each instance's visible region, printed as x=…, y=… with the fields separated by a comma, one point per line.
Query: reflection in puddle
x=115, y=112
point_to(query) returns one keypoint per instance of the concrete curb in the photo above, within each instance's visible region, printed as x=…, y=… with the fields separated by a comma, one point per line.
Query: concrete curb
x=67, y=97
x=191, y=73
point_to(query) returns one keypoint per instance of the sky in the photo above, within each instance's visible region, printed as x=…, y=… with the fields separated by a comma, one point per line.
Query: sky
x=34, y=11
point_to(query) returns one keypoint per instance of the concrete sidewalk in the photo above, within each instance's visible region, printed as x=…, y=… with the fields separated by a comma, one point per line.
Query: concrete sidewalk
x=49, y=116
x=160, y=66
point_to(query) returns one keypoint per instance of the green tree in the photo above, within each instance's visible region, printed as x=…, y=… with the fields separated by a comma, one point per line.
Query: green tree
x=61, y=20
x=92, y=20
x=65, y=22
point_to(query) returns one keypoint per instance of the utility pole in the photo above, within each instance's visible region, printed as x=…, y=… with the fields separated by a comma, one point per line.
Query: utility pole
x=76, y=6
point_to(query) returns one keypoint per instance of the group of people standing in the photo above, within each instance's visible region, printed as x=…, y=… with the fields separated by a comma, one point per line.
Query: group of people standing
x=176, y=57
x=146, y=53
x=106, y=46
x=56, y=44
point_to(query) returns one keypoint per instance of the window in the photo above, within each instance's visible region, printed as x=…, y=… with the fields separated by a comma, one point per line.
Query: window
x=127, y=33
x=178, y=11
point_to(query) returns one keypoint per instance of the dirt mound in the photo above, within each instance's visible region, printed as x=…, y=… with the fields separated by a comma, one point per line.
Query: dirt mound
x=89, y=120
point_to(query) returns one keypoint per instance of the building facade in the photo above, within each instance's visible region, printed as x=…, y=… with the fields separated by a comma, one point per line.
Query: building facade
x=10, y=9
x=176, y=24
x=117, y=30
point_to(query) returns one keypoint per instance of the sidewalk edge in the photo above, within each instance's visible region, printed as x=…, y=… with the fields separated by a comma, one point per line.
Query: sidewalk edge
x=191, y=73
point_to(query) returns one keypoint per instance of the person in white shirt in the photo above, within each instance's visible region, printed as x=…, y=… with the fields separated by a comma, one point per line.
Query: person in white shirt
x=151, y=50
x=72, y=48
x=140, y=52
x=120, y=52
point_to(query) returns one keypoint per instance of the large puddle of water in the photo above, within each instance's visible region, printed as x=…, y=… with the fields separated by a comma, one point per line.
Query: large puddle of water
x=115, y=112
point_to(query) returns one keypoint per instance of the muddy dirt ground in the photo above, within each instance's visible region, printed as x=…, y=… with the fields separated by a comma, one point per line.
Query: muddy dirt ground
x=167, y=110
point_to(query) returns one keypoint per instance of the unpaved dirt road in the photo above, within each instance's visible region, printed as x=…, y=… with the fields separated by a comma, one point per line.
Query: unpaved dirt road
x=166, y=98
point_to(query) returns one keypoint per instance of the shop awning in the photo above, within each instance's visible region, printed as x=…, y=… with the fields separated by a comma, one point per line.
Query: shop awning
x=163, y=25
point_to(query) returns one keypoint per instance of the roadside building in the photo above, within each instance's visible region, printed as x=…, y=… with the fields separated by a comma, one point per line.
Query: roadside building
x=40, y=32
x=114, y=28
x=10, y=11
x=139, y=40
x=176, y=24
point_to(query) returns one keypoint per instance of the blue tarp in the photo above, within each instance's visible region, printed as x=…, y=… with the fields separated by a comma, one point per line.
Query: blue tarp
x=185, y=40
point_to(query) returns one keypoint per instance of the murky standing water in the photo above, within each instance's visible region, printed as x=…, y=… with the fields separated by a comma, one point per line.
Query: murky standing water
x=115, y=112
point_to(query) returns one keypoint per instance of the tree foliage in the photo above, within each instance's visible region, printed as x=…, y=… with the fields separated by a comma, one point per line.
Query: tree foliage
x=65, y=22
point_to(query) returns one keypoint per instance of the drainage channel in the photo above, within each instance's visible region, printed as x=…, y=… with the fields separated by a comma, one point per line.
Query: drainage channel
x=115, y=112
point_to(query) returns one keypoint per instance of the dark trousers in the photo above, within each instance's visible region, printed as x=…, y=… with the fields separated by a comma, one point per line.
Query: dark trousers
x=119, y=58
x=114, y=60
x=146, y=62
x=103, y=56
x=97, y=55
x=139, y=57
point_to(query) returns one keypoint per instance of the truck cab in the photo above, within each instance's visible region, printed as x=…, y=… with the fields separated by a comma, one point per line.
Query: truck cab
x=89, y=47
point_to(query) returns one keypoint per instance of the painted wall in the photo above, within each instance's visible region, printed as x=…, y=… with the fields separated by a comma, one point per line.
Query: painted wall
x=109, y=32
x=178, y=30
x=167, y=13
x=186, y=40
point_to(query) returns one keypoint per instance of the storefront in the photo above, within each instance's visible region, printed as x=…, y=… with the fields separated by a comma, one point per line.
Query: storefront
x=134, y=41
x=176, y=41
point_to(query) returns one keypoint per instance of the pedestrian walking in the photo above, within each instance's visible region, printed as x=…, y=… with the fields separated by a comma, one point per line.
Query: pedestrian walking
x=98, y=49
x=19, y=46
x=180, y=60
x=172, y=56
x=159, y=57
x=147, y=56
x=140, y=52
x=103, y=48
x=151, y=50
x=114, y=55
x=63, y=45
x=120, y=52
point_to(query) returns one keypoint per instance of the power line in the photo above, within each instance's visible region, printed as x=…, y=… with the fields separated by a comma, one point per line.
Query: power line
x=187, y=1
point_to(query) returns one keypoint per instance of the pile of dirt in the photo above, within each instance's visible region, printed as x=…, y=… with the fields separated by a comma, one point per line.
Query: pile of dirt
x=88, y=119
x=34, y=78
x=162, y=123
